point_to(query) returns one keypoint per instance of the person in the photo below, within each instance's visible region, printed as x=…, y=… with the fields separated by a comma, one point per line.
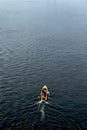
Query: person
x=44, y=93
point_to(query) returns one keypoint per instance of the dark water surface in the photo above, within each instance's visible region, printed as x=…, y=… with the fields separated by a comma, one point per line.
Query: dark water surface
x=43, y=42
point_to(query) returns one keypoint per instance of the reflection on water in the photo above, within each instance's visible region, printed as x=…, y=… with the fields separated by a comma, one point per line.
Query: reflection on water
x=43, y=42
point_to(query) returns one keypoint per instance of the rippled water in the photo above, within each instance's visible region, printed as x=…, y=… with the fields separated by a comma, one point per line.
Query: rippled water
x=43, y=42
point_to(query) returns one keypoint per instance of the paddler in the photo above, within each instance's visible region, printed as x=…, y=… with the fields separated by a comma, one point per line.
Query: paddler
x=44, y=93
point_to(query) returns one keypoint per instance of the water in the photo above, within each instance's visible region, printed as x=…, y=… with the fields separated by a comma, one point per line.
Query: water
x=43, y=42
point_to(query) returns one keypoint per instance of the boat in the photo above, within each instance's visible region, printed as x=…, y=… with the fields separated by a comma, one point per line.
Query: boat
x=44, y=93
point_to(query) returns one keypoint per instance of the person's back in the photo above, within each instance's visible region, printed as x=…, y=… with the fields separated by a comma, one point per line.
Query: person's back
x=43, y=93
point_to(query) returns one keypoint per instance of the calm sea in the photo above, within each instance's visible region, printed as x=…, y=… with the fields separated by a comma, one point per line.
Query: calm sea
x=43, y=42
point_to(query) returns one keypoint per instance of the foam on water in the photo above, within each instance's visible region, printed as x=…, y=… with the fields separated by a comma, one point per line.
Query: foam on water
x=42, y=105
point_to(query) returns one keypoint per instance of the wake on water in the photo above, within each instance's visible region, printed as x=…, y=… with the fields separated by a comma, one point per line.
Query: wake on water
x=42, y=109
